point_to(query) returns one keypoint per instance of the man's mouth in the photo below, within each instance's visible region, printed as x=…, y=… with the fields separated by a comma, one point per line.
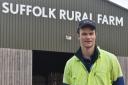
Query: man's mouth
x=88, y=41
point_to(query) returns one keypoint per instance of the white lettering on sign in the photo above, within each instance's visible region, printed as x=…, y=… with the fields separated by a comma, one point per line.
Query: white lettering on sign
x=61, y=14
x=85, y=16
x=28, y=9
x=109, y=20
x=14, y=10
x=77, y=16
x=70, y=17
x=119, y=21
x=37, y=11
x=43, y=12
x=51, y=13
x=6, y=9
x=73, y=15
x=22, y=9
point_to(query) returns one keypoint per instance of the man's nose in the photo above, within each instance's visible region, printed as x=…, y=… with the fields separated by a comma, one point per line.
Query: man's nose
x=88, y=36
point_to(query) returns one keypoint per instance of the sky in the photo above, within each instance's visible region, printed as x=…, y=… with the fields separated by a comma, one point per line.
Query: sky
x=122, y=3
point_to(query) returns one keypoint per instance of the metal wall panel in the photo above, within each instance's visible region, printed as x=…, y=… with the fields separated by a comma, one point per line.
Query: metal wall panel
x=38, y=33
x=15, y=67
x=124, y=64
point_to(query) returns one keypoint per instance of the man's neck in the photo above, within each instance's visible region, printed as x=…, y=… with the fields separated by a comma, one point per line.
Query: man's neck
x=87, y=52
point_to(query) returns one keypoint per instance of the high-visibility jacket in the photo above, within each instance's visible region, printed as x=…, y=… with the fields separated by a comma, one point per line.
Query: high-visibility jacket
x=106, y=70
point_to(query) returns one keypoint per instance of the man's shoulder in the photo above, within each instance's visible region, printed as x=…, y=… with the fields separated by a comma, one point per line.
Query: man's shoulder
x=107, y=54
x=72, y=60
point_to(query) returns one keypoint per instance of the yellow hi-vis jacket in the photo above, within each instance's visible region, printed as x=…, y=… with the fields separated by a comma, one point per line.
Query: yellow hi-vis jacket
x=105, y=70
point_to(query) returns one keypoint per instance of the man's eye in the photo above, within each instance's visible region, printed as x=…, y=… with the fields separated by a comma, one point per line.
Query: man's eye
x=91, y=33
x=84, y=34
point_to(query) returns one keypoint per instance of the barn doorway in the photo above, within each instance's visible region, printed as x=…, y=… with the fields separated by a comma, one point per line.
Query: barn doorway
x=48, y=67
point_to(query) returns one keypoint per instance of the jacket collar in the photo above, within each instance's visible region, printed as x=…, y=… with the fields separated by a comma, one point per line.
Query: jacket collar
x=95, y=54
x=94, y=57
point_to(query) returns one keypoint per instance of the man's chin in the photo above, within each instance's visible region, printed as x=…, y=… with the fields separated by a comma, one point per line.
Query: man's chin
x=88, y=47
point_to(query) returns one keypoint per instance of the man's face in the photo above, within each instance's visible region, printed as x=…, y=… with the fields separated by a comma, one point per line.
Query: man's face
x=87, y=37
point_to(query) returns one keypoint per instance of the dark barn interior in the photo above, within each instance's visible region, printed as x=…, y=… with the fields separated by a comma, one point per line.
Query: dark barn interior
x=48, y=67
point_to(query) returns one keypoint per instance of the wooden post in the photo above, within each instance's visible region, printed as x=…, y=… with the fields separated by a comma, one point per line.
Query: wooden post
x=15, y=67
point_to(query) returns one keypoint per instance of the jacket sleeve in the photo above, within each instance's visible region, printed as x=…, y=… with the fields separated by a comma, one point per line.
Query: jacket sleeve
x=116, y=73
x=67, y=74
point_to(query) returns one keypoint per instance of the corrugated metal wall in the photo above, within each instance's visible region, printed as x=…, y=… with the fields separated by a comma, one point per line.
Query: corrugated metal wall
x=124, y=65
x=39, y=33
x=15, y=67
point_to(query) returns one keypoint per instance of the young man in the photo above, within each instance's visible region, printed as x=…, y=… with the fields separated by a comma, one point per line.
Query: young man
x=91, y=65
